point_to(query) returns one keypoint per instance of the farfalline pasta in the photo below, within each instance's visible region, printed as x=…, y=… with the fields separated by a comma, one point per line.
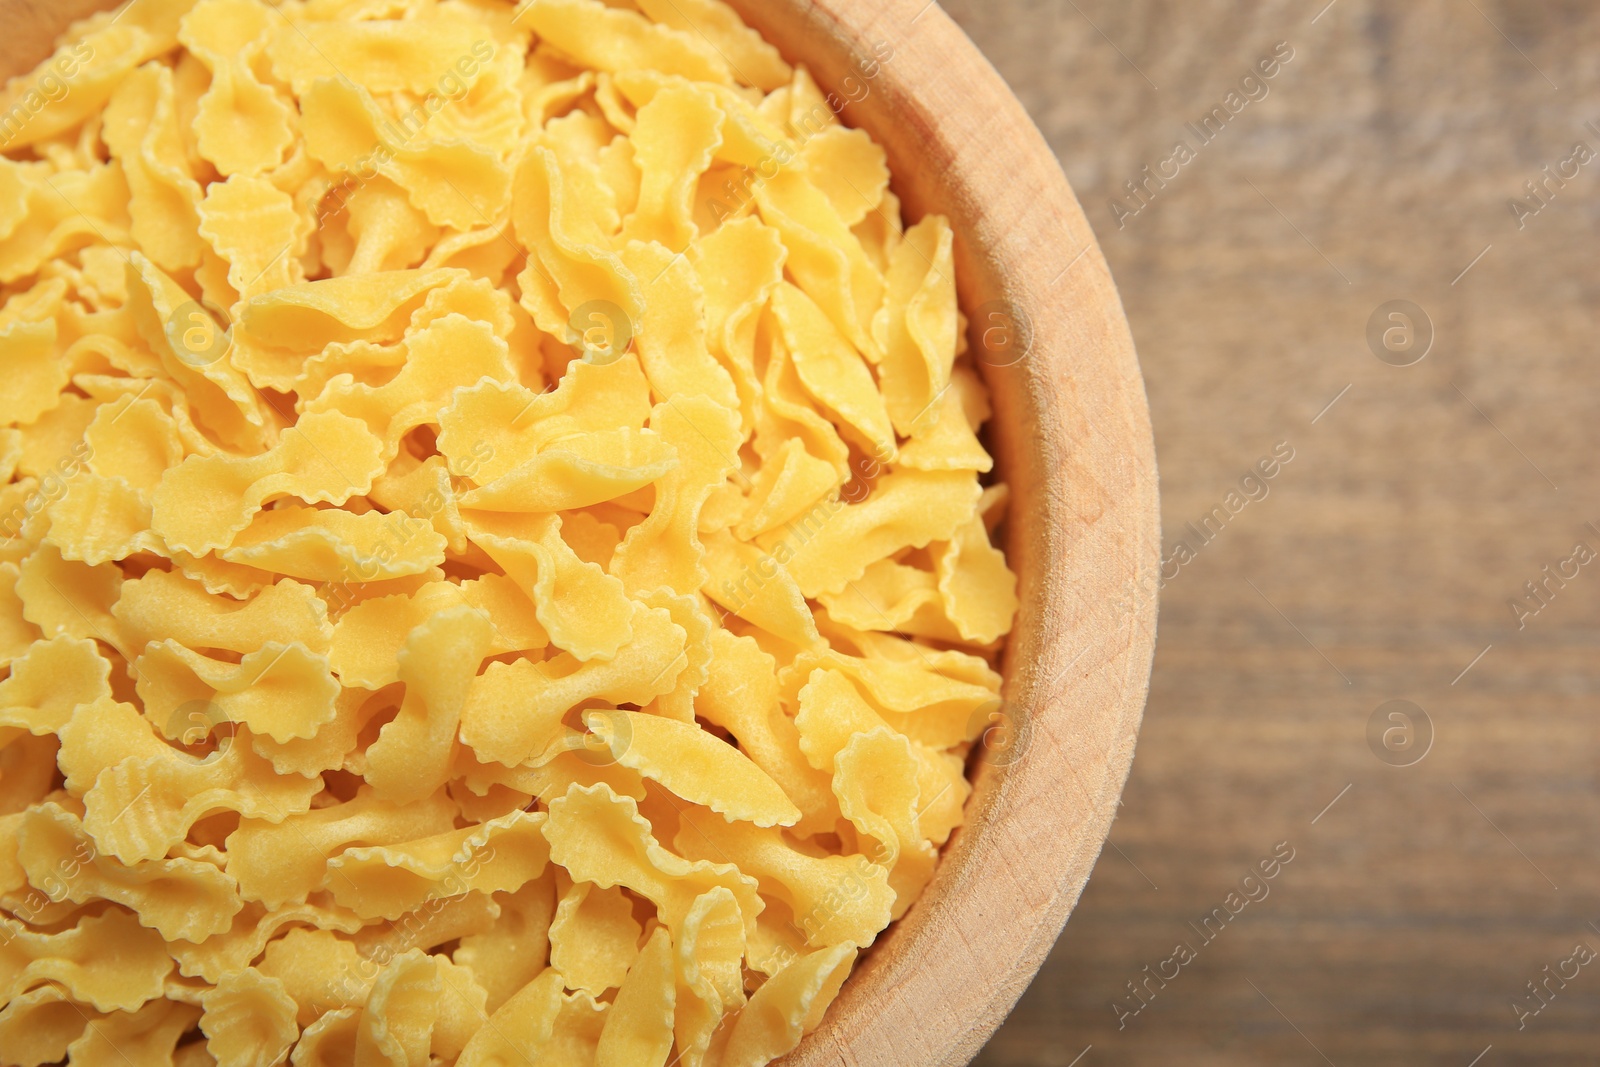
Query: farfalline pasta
x=497, y=562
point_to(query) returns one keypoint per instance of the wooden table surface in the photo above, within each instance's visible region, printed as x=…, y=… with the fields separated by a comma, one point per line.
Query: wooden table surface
x=1386, y=556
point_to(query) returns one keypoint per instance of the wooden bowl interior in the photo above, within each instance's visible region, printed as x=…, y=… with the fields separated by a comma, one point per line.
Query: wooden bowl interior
x=1072, y=437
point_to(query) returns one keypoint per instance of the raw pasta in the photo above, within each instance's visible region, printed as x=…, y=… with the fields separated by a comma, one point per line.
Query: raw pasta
x=497, y=560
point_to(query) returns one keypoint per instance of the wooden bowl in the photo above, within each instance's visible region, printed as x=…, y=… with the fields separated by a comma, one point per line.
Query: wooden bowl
x=1072, y=437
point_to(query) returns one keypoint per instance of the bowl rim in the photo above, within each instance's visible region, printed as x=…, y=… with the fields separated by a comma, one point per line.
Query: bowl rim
x=1072, y=436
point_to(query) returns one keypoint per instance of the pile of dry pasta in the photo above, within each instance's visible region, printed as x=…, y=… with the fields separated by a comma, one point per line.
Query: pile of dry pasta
x=495, y=565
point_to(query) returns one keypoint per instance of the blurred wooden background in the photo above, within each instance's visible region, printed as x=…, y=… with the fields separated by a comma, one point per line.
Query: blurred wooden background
x=1383, y=561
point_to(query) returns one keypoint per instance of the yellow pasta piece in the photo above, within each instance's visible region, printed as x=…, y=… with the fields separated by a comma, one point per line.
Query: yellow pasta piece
x=330, y=1041
x=578, y=472
x=787, y=414
x=594, y=938
x=875, y=779
x=492, y=428
x=49, y=681
x=98, y=520
x=53, y=442
x=74, y=959
x=97, y=735
x=254, y=927
x=142, y=132
x=113, y=393
x=331, y=545
x=600, y=837
x=947, y=438
x=16, y=632
x=254, y=226
x=643, y=669
x=389, y=233
x=920, y=328
x=134, y=440
x=787, y=1005
x=698, y=626
x=511, y=953
x=329, y=748
x=386, y=55
x=439, y=920
x=320, y=971
x=413, y=753
x=461, y=1008
x=756, y=587
x=542, y=1024
x=741, y=696
x=608, y=38
x=396, y=1024
x=249, y=1020
x=832, y=711
x=25, y=772
x=111, y=758
x=739, y=264
x=204, y=503
x=915, y=685
x=387, y=881
x=571, y=267
x=707, y=953
x=893, y=597
x=638, y=1028
x=37, y=374
x=38, y=1026
x=825, y=258
x=583, y=609
x=369, y=637
x=852, y=171
x=832, y=372
x=65, y=597
x=281, y=691
x=167, y=604
x=285, y=861
x=423, y=490
x=665, y=549
x=791, y=482
x=695, y=765
x=456, y=184
x=671, y=331
x=279, y=330
x=92, y=66
x=439, y=357
x=907, y=509
x=61, y=212
x=778, y=941
x=140, y=1038
x=241, y=125
x=674, y=138
x=751, y=59
x=834, y=898
x=978, y=590
x=182, y=899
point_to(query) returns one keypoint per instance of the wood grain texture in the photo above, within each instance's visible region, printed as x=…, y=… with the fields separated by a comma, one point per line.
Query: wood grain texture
x=1072, y=437
x=1409, y=919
